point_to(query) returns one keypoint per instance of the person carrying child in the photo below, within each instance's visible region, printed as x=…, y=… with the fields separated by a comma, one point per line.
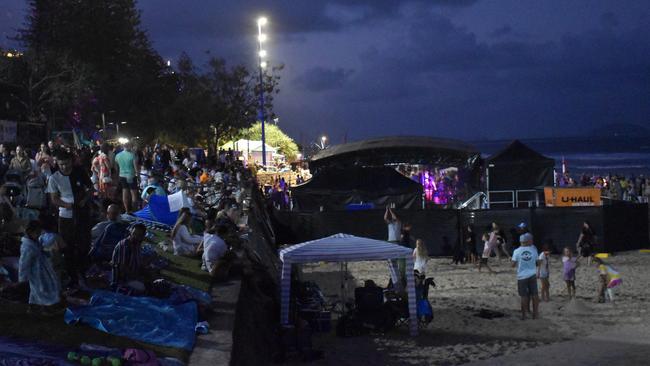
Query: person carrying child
x=543, y=272
x=569, y=265
x=36, y=268
x=610, y=278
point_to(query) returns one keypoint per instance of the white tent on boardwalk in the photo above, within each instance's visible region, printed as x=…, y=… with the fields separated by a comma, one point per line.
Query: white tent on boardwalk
x=346, y=248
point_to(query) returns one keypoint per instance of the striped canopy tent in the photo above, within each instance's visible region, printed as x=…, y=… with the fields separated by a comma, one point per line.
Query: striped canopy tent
x=346, y=248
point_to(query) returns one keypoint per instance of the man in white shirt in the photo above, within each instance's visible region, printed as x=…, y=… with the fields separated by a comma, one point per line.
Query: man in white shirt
x=70, y=189
x=394, y=234
x=394, y=225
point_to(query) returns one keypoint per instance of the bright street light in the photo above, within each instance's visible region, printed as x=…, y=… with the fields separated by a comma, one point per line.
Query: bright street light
x=123, y=140
x=261, y=53
x=322, y=145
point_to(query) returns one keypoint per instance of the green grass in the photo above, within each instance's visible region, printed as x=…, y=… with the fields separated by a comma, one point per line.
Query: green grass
x=15, y=323
x=186, y=271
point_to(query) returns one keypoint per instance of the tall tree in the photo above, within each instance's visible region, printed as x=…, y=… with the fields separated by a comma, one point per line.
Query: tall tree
x=126, y=74
x=40, y=87
x=213, y=105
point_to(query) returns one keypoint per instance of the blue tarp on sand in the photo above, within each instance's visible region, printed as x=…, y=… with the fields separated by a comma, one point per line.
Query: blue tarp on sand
x=15, y=352
x=144, y=319
x=158, y=210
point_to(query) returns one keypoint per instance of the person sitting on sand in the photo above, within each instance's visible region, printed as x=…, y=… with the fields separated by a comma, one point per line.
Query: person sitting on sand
x=36, y=268
x=525, y=259
x=569, y=265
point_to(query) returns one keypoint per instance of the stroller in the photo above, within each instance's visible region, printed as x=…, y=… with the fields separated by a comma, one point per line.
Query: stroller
x=424, y=309
x=398, y=302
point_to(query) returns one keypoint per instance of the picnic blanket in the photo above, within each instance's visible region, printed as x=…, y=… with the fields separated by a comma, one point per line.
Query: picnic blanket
x=15, y=352
x=145, y=319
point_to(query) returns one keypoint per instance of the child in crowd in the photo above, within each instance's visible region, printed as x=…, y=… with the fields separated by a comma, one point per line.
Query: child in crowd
x=609, y=279
x=36, y=268
x=543, y=272
x=487, y=250
x=570, y=263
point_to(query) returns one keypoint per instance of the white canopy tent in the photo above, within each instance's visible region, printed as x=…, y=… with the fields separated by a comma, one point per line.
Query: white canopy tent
x=345, y=248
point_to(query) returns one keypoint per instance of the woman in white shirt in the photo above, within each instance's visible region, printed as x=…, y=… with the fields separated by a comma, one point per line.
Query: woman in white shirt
x=184, y=242
x=420, y=257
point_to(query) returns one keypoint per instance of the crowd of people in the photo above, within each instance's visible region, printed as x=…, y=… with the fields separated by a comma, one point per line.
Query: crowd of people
x=75, y=212
x=613, y=186
x=531, y=265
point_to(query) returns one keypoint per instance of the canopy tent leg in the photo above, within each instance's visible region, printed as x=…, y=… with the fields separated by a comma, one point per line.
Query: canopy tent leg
x=285, y=292
x=392, y=268
x=410, y=287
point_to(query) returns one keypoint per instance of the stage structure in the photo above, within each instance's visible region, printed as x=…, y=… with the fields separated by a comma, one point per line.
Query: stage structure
x=516, y=175
x=447, y=170
x=336, y=189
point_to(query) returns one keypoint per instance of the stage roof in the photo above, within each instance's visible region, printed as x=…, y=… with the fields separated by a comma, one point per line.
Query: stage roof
x=397, y=150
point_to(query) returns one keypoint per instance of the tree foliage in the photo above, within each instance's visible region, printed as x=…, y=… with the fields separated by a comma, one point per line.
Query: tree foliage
x=88, y=59
x=38, y=86
x=216, y=103
x=274, y=137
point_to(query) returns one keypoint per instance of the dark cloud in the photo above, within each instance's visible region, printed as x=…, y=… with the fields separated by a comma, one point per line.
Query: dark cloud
x=609, y=20
x=231, y=18
x=438, y=78
x=320, y=79
x=501, y=31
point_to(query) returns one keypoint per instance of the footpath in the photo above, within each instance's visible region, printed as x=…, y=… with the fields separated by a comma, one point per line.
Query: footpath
x=242, y=329
x=215, y=347
x=622, y=347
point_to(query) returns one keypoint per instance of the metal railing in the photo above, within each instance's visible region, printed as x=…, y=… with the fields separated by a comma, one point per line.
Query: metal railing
x=514, y=199
x=475, y=201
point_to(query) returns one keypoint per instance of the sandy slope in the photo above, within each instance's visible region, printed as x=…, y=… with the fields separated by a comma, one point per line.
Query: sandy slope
x=457, y=336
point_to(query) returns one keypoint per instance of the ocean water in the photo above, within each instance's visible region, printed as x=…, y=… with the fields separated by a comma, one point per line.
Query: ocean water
x=629, y=156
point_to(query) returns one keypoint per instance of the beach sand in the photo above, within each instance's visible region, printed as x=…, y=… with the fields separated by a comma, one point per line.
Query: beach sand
x=458, y=336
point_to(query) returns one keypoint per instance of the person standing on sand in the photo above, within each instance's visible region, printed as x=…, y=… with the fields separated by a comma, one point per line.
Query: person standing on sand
x=543, y=271
x=586, y=240
x=569, y=265
x=470, y=244
x=394, y=225
x=525, y=259
x=487, y=249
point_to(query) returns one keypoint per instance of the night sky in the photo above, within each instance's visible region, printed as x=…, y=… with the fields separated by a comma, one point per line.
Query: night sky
x=448, y=68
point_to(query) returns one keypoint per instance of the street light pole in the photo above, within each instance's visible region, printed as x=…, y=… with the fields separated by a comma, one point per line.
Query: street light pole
x=261, y=37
